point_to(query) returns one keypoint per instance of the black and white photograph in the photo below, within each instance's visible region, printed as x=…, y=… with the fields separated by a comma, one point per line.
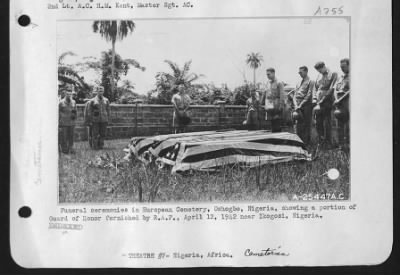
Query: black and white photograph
x=199, y=133
x=204, y=110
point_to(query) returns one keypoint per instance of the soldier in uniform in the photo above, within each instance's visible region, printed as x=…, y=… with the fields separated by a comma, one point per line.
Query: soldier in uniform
x=253, y=105
x=273, y=100
x=87, y=122
x=98, y=110
x=302, y=113
x=322, y=101
x=181, y=104
x=67, y=117
x=341, y=103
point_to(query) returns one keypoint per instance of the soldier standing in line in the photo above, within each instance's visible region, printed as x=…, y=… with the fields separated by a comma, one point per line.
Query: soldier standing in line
x=181, y=103
x=302, y=113
x=273, y=100
x=322, y=101
x=87, y=122
x=98, y=112
x=341, y=103
x=67, y=117
x=253, y=105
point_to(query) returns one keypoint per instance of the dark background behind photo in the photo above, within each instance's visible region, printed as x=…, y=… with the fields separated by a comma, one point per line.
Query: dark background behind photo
x=8, y=266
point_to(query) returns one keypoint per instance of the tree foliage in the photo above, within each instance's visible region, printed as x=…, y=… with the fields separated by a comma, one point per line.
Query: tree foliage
x=167, y=82
x=113, y=31
x=127, y=95
x=254, y=61
x=241, y=94
x=121, y=67
x=64, y=55
x=68, y=76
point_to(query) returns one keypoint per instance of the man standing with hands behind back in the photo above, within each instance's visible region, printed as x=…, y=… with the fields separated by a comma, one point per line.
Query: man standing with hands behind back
x=273, y=100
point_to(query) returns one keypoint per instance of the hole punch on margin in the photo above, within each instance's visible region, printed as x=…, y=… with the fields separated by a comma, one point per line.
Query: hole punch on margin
x=25, y=212
x=24, y=20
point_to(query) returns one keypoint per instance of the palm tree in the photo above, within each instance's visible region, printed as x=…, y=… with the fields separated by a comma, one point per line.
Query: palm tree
x=181, y=76
x=69, y=75
x=254, y=61
x=167, y=82
x=113, y=31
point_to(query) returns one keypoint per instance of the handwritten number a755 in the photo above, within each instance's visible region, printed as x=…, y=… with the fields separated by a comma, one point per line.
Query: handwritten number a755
x=328, y=11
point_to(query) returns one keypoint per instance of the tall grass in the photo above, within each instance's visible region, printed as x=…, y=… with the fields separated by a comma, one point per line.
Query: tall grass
x=82, y=182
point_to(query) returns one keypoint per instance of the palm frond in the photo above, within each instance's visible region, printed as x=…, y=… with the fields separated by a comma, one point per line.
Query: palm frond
x=174, y=67
x=124, y=28
x=63, y=55
x=69, y=75
x=134, y=63
x=254, y=60
x=169, y=77
x=84, y=66
x=113, y=30
x=193, y=77
x=186, y=68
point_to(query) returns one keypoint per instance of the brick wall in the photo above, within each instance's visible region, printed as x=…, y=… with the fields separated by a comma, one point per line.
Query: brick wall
x=141, y=120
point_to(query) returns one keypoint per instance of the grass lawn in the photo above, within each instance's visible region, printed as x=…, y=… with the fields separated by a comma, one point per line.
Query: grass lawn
x=81, y=180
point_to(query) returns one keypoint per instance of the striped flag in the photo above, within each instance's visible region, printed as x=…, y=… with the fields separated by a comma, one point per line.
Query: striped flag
x=214, y=149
